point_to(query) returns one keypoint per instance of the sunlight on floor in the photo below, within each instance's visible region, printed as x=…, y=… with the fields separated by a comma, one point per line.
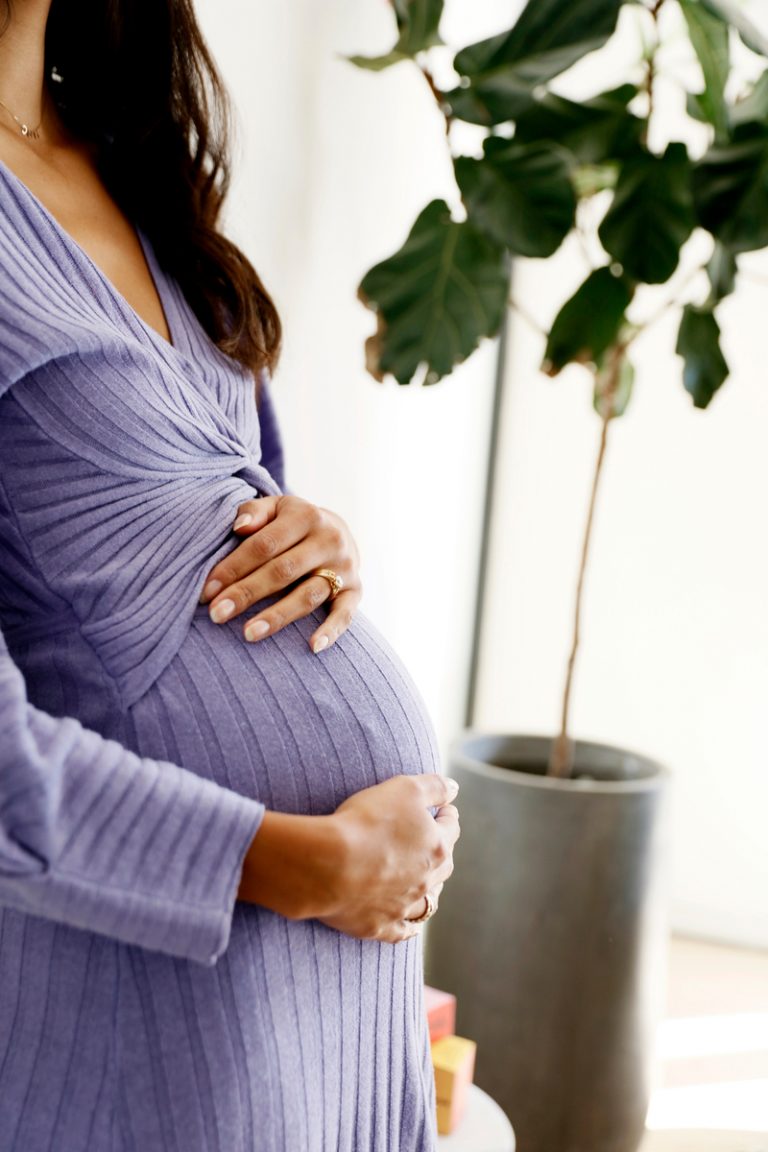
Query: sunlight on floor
x=712, y=1052
x=741, y=1106
x=713, y=1035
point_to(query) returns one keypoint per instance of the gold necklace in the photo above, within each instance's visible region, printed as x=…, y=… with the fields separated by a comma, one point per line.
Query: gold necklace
x=24, y=129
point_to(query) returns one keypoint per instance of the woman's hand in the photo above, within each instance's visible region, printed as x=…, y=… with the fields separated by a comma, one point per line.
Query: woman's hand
x=397, y=852
x=285, y=540
x=365, y=870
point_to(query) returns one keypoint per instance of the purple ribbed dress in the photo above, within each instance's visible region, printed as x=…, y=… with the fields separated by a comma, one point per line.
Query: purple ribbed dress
x=141, y=1009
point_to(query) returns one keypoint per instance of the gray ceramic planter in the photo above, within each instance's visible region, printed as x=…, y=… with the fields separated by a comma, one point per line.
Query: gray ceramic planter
x=551, y=933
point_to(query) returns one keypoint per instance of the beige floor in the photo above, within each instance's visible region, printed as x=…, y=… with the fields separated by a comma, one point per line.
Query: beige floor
x=691, y=1141
x=713, y=1052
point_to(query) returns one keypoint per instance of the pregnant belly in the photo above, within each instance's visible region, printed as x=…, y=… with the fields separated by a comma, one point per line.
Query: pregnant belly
x=274, y=721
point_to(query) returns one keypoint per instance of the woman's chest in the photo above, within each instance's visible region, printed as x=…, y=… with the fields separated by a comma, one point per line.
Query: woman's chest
x=121, y=487
x=73, y=195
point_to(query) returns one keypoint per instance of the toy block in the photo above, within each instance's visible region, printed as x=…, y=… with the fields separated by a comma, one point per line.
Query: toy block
x=453, y=1060
x=441, y=1013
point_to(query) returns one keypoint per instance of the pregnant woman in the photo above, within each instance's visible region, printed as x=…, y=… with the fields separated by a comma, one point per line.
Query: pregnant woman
x=220, y=830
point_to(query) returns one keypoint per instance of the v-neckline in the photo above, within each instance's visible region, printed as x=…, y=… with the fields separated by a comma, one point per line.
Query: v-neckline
x=155, y=271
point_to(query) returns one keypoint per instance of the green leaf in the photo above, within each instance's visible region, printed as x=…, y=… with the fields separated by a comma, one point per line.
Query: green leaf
x=520, y=194
x=651, y=216
x=589, y=179
x=730, y=13
x=595, y=131
x=378, y=63
x=753, y=108
x=548, y=38
x=709, y=37
x=436, y=298
x=695, y=108
x=698, y=342
x=465, y=103
x=721, y=270
x=589, y=322
x=614, y=383
x=418, y=23
x=731, y=192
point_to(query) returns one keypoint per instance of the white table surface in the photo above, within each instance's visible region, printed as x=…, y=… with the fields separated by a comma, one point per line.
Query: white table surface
x=484, y=1128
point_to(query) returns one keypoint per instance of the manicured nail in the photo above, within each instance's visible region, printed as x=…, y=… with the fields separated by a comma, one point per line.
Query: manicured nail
x=211, y=589
x=453, y=786
x=256, y=629
x=222, y=611
x=242, y=521
x=319, y=644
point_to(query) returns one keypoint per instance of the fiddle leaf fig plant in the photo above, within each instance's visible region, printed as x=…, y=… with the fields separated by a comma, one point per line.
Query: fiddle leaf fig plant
x=418, y=22
x=548, y=166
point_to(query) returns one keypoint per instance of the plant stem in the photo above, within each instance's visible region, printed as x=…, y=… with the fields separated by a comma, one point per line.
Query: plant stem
x=438, y=95
x=676, y=301
x=529, y=318
x=561, y=756
x=650, y=79
x=561, y=752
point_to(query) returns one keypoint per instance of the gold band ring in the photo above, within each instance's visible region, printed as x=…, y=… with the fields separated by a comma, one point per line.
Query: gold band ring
x=428, y=912
x=333, y=579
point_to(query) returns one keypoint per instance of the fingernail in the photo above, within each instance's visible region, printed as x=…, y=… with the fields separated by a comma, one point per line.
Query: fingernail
x=242, y=521
x=452, y=785
x=211, y=589
x=222, y=611
x=319, y=644
x=256, y=630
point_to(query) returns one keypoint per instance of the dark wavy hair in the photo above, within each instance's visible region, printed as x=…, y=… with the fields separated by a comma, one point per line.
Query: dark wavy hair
x=139, y=84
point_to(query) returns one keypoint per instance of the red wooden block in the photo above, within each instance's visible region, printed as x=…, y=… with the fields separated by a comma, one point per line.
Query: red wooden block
x=441, y=1013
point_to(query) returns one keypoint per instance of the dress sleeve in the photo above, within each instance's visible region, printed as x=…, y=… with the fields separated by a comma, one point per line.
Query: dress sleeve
x=272, y=457
x=98, y=838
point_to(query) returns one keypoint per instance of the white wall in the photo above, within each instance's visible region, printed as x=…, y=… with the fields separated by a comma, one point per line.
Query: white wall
x=675, y=654
x=335, y=164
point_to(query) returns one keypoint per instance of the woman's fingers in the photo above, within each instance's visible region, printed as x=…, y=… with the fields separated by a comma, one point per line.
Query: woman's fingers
x=266, y=537
x=395, y=933
x=255, y=514
x=267, y=578
x=309, y=595
x=438, y=791
x=339, y=619
x=419, y=908
x=286, y=540
x=447, y=817
x=399, y=933
x=395, y=853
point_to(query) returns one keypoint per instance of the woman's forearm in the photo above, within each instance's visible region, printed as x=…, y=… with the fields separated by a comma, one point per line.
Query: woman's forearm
x=364, y=870
x=293, y=865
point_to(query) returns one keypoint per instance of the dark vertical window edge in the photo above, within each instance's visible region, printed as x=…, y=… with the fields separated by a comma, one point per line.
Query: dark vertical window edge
x=481, y=589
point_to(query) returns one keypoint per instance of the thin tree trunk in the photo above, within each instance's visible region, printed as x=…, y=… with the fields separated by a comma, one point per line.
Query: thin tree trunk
x=562, y=751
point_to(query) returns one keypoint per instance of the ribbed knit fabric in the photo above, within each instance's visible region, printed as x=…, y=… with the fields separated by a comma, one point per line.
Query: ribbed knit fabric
x=141, y=1009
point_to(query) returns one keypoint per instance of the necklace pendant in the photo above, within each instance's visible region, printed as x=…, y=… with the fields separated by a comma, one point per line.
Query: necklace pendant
x=24, y=129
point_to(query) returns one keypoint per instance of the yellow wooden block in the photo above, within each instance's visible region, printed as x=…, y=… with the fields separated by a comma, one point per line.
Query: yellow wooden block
x=452, y=1056
x=445, y=1120
x=453, y=1060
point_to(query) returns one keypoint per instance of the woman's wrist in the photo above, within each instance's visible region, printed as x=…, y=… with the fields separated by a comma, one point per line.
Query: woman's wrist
x=293, y=865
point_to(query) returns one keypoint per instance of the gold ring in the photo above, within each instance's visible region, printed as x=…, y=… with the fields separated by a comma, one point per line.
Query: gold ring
x=428, y=912
x=333, y=579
